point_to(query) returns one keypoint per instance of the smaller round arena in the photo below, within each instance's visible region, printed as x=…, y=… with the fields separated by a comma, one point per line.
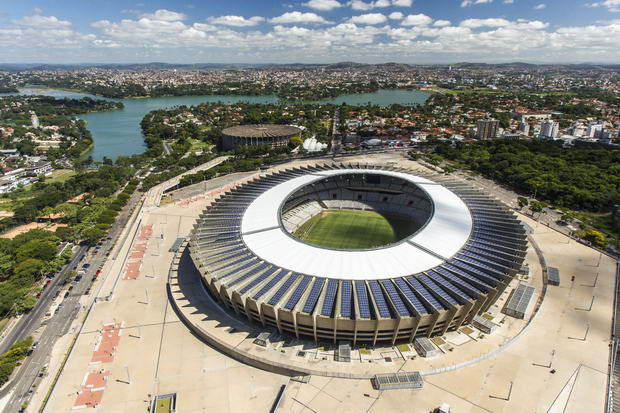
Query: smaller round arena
x=251, y=135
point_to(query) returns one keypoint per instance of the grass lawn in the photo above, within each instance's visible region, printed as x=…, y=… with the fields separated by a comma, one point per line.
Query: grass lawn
x=198, y=145
x=60, y=175
x=343, y=229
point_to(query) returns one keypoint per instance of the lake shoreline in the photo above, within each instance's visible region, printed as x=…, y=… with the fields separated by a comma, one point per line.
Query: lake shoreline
x=118, y=132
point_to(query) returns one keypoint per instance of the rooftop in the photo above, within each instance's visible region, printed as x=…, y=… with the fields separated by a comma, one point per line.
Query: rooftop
x=261, y=131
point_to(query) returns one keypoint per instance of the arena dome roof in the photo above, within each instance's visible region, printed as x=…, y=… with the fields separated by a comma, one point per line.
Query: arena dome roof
x=261, y=131
x=443, y=235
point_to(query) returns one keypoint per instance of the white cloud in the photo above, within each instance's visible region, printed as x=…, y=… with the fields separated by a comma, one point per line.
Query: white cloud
x=236, y=21
x=467, y=3
x=396, y=15
x=299, y=17
x=612, y=5
x=42, y=22
x=476, y=23
x=164, y=15
x=323, y=5
x=417, y=20
x=369, y=18
x=442, y=23
x=363, y=6
x=509, y=1
x=360, y=5
x=160, y=38
x=540, y=6
x=42, y=32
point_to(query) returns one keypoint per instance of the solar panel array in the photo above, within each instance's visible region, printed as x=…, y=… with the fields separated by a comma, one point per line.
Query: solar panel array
x=553, y=275
x=496, y=248
x=399, y=380
x=362, y=299
x=346, y=300
x=299, y=290
x=519, y=301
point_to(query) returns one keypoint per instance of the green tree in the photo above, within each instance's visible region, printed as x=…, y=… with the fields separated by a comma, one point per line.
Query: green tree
x=38, y=249
x=294, y=142
x=93, y=235
x=29, y=270
x=538, y=207
x=568, y=217
x=523, y=202
x=594, y=237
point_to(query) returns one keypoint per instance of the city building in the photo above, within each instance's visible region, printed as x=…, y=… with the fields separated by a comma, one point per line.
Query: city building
x=487, y=128
x=524, y=128
x=595, y=130
x=34, y=120
x=549, y=129
x=252, y=135
x=39, y=168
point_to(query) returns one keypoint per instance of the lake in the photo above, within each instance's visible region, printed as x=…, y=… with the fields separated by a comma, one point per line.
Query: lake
x=118, y=132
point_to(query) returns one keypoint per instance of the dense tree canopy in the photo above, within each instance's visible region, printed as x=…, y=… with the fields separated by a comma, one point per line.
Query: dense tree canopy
x=580, y=178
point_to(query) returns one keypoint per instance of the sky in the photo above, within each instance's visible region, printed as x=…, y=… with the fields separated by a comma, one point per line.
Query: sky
x=309, y=31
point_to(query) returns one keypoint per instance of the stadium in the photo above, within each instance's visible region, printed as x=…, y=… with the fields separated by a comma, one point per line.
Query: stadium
x=249, y=135
x=358, y=253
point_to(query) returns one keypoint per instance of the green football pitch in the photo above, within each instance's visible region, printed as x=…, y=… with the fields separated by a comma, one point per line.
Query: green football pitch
x=344, y=229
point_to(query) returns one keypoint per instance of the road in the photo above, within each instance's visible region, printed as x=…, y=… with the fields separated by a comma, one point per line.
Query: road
x=28, y=376
x=59, y=324
x=153, y=196
x=167, y=148
x=336, y=139
x=24, y=326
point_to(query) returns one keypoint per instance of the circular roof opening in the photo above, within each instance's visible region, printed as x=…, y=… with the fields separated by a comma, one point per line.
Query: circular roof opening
x=358, y=211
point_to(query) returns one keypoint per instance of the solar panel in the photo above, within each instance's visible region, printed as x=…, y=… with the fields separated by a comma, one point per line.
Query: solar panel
x=251, y=262
x=257, y=280
x=239, y=261
x=487, y=259
x=269, y=285
x=400, y=306
x=480, y=276
x=490, y=271
x=467, y=276
x=423, y=291
x=330, y=298
x=440, y=291
x=283, y=289
x=299, y=291
x=248, y=274
x=346, y=299
x=410, y=295
x=362, y=299
x=314, y=295
x=456, y=280
x=382, y=306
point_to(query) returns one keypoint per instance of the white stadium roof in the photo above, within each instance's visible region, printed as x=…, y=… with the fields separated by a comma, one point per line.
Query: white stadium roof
x=443, y=235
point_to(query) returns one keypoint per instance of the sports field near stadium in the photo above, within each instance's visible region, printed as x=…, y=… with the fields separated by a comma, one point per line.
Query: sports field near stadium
x=343, y=229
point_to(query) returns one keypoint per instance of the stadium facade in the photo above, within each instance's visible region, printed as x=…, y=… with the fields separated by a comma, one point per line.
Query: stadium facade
x=464, y=249
x=251, y=135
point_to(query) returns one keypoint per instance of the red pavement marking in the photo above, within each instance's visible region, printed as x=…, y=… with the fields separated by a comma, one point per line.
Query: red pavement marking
x=108, y=341
x=140, y=247
x=92, y=390
x=138, y=251
x=133, y=270
x=136, y=255
x=145, y=232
